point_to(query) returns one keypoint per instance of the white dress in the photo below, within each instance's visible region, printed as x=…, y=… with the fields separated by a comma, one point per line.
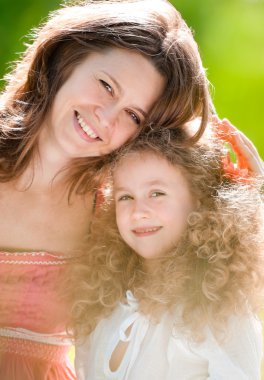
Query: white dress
x=156, y=352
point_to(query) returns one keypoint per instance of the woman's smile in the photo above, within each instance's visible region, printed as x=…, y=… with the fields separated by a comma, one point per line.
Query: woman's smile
x=85, y=131
x=102, y=103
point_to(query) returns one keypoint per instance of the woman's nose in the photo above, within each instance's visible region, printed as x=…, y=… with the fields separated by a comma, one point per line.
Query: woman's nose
x=107, y=116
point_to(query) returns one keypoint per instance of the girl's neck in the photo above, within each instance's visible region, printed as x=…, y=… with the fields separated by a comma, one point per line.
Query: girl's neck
x=150, y=265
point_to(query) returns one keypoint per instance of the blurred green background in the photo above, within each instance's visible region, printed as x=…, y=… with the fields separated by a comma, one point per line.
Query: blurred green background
x=230, y=34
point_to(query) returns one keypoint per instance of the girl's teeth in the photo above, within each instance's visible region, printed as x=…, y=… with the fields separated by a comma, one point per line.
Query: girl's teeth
x=85, y=128
x=153, y=229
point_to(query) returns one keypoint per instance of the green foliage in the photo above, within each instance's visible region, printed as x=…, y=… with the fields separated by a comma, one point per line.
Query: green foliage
x=230, y=35
x=17, y=18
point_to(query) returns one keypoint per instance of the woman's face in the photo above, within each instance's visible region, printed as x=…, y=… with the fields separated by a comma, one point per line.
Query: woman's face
x=102, y=104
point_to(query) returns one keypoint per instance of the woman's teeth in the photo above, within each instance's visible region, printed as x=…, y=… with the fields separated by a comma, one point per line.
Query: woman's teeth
x=85, y=128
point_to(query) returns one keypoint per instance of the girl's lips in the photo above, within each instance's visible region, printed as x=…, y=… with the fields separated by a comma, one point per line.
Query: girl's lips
x=145, y=231
x=81, y=132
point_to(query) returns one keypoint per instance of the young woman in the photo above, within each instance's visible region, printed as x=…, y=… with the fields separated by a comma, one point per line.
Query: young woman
x=95, y=76
x=174, y=275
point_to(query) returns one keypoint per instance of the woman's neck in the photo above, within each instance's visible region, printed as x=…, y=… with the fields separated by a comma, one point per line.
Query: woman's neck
x=46, y=168
x=44, y=172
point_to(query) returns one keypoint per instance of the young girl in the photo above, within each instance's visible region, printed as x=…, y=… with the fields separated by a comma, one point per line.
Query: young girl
x=174, y=276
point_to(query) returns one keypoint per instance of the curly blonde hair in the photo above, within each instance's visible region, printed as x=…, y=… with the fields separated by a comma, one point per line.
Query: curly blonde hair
x=217, y=267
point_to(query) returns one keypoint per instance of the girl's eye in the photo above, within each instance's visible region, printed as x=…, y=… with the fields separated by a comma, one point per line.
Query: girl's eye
x=156, y=194
x=134, y=117
x=125, y=197
x=107, y=86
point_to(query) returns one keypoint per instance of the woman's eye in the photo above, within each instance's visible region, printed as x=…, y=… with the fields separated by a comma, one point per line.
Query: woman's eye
x=134, y=117
x=156, y=194
x=106, y=86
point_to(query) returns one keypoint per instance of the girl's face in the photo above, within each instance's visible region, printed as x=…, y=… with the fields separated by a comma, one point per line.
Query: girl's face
x=153, y=201
x=103, y=103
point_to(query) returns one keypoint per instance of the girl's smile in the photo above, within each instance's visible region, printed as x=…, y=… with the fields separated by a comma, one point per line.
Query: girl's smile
x=145, y=231
x=153, y=201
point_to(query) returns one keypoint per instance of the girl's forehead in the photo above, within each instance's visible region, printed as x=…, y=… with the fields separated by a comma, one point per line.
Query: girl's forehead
x=143, y=157
x=144, y=163
x=136, y=158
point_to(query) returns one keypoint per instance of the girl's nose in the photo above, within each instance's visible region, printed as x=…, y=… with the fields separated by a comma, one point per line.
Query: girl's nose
x=140, y=210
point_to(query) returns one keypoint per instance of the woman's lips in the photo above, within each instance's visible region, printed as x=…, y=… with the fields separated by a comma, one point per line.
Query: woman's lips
x=84, y=131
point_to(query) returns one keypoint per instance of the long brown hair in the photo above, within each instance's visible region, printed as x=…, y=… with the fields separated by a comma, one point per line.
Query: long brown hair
x=153, y=28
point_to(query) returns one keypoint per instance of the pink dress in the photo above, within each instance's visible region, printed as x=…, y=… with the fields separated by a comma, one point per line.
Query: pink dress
x=33, y=316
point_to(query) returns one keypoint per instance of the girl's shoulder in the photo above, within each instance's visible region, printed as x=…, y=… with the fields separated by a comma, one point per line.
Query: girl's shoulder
x=238, y=328
x=237, y=350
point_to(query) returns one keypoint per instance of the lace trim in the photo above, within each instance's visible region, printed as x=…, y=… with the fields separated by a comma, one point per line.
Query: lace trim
x=15, y=258
x=60, y=339
x=34, y=254
x=33, y=262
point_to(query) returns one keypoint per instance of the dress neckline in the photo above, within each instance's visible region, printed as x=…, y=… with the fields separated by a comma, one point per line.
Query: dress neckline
x=35, y=257
x=36, y=254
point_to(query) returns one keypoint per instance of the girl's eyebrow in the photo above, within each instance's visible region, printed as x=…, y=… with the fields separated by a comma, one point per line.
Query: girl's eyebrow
x=156, y=182
x=159, y=182
x=143, y=113
x=117, y=189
